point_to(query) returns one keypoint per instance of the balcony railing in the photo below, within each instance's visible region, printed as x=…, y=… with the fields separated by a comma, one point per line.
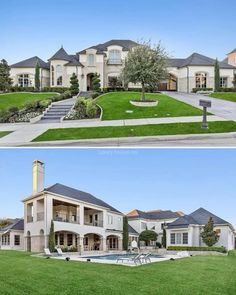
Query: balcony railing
x=97, y=223
x=66, y=218
x=40, y=216
x=29, y=218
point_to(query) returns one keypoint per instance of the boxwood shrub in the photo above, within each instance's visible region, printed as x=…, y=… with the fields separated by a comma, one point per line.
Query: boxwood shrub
x=55, y=89
x=186, y=248
x=195, y=90
x=227, y=90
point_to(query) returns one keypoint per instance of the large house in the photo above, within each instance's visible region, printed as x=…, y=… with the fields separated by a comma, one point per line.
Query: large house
x=155, y=220
x=80, y=219
x=107, y=59
x=186, y=230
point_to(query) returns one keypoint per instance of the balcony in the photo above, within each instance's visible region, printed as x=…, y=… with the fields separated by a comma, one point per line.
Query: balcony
x=66, y=218
x=97, y=223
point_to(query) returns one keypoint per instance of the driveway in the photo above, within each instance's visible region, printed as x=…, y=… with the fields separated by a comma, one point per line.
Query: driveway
x=221, y=108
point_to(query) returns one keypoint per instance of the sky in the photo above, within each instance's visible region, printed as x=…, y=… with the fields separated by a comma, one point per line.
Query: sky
x=127, y=179
x=29, y=28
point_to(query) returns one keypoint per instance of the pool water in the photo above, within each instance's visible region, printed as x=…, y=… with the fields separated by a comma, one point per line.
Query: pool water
x=117, y=256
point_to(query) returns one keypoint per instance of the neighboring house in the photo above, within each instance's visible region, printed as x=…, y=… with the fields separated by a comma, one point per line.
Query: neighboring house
x=80, y=219
x=155, y=220
x=133, y=235
x=23, y=73
x=107, y=59
x=12, y=236
x=186, y=230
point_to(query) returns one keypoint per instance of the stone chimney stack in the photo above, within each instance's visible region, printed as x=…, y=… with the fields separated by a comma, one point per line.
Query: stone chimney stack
x=38, y=176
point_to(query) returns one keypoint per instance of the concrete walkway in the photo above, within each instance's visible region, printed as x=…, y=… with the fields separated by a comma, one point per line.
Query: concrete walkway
x=221, y=108
x=25, y=133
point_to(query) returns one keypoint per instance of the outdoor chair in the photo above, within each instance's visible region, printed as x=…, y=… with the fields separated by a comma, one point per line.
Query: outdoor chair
x=47, y=253
x=136, y=259
x=146, y=258
x=59, y=252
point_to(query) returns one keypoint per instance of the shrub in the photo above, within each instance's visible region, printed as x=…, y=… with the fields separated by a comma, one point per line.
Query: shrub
x=80, y=108
x=32, y=106
x=195, y=90
x=4, y=116
x=147, y=236
x=95, y=95
x=17, y=88
x=158, y=245
x=232, y=253
x=227, y=90
x=91, y=108
x=55, y=89
x=43, y=104
x=13, y=110
x=187, y=248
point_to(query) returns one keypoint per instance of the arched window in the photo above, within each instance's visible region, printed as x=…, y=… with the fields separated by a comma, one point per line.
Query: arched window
x=59, y=75
x=114, y=57
x=201, y=80
x=41, y=232
x=91, y=60
x=53, y=75
x=24, y=80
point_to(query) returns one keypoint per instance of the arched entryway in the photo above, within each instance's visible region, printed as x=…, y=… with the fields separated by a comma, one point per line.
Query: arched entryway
x=66, y=239
x=92, y=242
x=28, y=242
x=90, y=82
x=112, y=242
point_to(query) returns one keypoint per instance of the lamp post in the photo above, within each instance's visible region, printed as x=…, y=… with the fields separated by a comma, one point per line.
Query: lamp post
x=205, y=104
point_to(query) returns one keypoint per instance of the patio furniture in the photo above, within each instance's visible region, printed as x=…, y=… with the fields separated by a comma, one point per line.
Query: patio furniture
x=183, y=254
x=59, y=252
x=136, y=259
x=146, y=257
x=47, y=253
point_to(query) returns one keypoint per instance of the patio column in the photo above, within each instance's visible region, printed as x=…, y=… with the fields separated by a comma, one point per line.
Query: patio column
x=104, y=244
x=81, y=243
x=120, y=246
x=81, y=214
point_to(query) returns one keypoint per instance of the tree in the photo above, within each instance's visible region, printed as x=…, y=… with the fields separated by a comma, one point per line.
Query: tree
x=209, y=236
x=5, y=80
x=125, y=233
x=74, y=82
x=234, y=80
x=114, y=82
x=145, y=65
x=217, y=76
x=37, y=77
x=96, y=83
x=51, y=238
x=4, y=222
x=147, y=236
x=164, y=238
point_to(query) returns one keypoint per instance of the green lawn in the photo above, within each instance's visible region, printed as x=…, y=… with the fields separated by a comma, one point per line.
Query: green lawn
x=230, y=96
x=4, y=133
x=132, y=131
x=116, y=104
x=18, y=99
x=21, y=274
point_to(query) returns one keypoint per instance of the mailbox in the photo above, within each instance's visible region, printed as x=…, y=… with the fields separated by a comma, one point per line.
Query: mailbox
x=205, y=103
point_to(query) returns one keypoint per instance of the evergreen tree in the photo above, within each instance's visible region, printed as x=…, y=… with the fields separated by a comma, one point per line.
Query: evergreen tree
x=147, y=236
x=209, y=236
x=37, y=77
x=217, y=76
x=96, y=83
x=74, y=82
x=125, y=233
x=51, y=238
x=234, y=80
x=164, y=238
x=5, y=80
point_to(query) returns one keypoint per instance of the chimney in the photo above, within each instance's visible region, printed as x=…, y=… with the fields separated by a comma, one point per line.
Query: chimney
x=38, y=176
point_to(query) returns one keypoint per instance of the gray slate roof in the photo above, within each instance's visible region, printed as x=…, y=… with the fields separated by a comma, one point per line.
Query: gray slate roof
x=61, y=54
x=126, y=44
x=197, y=59
x=132, y=230
x=74, y=61
x=153, y=215
x=70, y=192
x=31, y=63
x=17, y=225
x=198, y=217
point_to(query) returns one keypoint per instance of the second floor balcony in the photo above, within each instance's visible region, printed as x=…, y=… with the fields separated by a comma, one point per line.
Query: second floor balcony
x=66, y=218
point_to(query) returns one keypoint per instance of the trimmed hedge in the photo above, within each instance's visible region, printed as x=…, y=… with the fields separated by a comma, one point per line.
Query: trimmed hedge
x=232, y=253
x=227, y=90
x=22, y=89
x=186, y=248
x=55, y=89
x=195, y=90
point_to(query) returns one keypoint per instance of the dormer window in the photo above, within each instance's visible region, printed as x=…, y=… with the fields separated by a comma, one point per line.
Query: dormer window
x=114, y=57
x=91, y=60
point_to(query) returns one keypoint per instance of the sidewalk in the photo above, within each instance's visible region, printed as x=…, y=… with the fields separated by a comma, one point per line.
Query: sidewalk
x=25, y=133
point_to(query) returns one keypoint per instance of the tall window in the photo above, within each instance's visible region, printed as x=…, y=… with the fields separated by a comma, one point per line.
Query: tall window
x=185, y=238
x=59, y=75
x=201, y=80
x=17, y=240
x=223, y=82
x=24, y=80
x=6, y=240
x=114, y=57
x=53, y=75
x=91, y=60
x=172, y=239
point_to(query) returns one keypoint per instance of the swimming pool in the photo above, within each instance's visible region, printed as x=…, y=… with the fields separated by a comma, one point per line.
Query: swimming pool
x=118, y=256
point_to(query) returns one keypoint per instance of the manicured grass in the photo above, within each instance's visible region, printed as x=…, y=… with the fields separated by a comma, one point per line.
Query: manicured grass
x=132, y=131
x=18, y=99
x=115, y=106
x=230, y=96
x=22, y=274
x=4, y=133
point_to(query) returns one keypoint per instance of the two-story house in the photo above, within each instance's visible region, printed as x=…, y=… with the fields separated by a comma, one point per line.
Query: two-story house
x=80, y=219
x=156, y=220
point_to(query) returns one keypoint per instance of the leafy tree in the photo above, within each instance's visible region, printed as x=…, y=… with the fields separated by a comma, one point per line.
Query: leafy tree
x=147, y=65
x=164, y=238
x=37, y=77
x=5, y=80
x=96, y=81
x=147, y=236
x=125, y=233
x=74, y=82
x=209, y=236
x=114, y=82
x=51, y=238
x=234, y=80
x=217, y=76
x=4, y=222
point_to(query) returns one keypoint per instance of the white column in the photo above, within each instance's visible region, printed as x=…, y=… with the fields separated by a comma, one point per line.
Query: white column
x=81, y=215
x=120, y=246
x=104, y=244
x=81, y=243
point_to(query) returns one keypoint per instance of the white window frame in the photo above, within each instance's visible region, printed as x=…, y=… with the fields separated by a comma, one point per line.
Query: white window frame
x=201, y=80
x=223, y=84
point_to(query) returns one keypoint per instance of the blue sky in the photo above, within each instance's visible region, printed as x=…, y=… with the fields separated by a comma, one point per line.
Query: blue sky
x=29, y=27
x=176, y=179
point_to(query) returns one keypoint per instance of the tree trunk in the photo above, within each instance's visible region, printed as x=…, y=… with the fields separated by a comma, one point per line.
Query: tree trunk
x=143, y=92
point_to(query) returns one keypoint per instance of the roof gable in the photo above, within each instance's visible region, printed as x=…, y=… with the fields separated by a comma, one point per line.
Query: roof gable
x=31, y=63
x=61, y=54
x=66, y=191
